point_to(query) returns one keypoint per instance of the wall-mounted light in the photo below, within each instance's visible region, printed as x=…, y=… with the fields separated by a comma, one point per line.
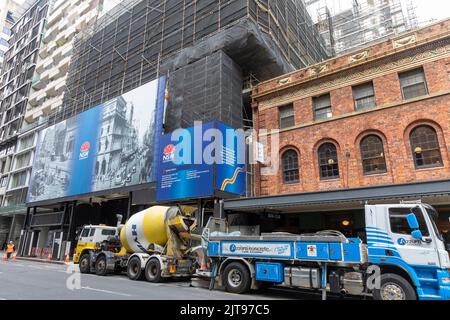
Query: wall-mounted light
x=330, y=162
x=418, y=150
x=345, y=223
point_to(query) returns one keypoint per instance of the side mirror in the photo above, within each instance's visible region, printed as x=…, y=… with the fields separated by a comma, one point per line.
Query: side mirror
x=412, y=221
x=417, y=234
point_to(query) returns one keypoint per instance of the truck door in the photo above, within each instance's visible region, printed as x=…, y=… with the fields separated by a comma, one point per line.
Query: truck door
x=412, y=251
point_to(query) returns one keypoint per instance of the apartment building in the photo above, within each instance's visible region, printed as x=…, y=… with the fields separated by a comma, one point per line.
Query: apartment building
x=43, y=64
x=348, y=25
x=10, y=12
x=15, y=84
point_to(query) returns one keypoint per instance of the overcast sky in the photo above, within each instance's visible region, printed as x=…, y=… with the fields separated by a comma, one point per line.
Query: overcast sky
x=432, y=9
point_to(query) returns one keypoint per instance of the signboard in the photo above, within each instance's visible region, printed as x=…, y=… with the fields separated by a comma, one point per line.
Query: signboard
x=257, y=249
x=110, y=146
x=198, y=161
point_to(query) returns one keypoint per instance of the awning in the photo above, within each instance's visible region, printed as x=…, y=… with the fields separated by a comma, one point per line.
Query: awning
x=13, y=210
x=435, y=192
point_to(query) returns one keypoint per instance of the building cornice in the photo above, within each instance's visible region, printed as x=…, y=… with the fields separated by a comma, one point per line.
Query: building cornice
x=362, y=57
x=412, y=58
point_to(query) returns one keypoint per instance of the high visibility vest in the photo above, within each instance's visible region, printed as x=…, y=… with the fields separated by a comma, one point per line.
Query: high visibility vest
x=10, y=248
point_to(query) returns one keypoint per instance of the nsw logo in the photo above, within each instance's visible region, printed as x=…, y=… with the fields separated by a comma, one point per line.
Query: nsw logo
x=233, y=248
x=84, y=150
x=169, y=153
x=401, y=242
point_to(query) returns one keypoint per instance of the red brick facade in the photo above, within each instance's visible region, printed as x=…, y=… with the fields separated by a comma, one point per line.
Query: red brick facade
x=392, y=119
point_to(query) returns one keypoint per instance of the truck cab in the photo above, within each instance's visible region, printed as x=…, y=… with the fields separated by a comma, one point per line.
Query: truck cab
x=404, y=240
x=90, y=237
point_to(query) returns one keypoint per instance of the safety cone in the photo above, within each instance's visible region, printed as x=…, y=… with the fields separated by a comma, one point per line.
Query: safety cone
x=15, y=257
x=5, y=257
x=49, y=257
x=67, y=259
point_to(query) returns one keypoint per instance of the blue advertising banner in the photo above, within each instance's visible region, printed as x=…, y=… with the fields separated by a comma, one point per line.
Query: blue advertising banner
x=110, y=146
x=230, y=168
x=196, y=162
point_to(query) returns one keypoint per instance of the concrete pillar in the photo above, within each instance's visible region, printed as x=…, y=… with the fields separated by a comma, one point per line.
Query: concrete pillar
x=11, y=229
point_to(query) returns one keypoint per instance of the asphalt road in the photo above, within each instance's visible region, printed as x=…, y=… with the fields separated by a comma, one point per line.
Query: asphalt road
x=24, y=280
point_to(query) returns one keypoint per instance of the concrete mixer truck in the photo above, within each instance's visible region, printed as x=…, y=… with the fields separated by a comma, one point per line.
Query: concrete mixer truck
x=156, y=243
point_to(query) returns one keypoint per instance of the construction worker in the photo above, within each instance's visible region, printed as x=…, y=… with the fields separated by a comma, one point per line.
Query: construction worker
x=10, y=249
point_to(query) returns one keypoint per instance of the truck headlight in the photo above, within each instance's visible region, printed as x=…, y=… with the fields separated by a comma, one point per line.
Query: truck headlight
x=446, y=280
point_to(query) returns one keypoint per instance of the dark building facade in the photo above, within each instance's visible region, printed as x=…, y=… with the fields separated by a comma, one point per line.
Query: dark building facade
x=206, y=49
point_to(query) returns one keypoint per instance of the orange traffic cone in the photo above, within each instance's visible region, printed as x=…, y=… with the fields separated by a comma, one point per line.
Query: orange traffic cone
x=14, y=257
x=49, y=257
x=67, y=259
x=5, y=257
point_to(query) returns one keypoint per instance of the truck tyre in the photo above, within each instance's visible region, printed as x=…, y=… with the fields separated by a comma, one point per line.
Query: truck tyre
x=153, y=271
x=394, y=287
x=237, y=278
x=134, y=270
x=100, y=266
x=85, y=263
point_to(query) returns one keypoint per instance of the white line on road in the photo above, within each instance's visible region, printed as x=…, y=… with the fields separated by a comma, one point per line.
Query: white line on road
x=107, y=291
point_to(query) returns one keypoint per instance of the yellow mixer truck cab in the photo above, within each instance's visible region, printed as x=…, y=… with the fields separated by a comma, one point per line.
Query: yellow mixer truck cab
x=90, y=239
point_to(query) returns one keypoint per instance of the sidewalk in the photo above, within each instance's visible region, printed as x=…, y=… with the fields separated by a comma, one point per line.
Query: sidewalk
x=40, y=260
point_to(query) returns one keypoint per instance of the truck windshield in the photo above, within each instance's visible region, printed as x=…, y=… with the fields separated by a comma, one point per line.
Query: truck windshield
x=433, y=215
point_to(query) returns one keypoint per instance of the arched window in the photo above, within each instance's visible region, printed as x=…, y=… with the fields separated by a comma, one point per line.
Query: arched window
x=328, y=161
x=372, y=155
x=425, y=147
x=291, y=172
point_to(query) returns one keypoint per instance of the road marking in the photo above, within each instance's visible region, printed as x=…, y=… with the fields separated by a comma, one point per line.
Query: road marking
x=107, y=291
x=3, y=299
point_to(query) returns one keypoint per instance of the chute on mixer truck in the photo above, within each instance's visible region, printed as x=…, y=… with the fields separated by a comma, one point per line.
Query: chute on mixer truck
x=156, y=243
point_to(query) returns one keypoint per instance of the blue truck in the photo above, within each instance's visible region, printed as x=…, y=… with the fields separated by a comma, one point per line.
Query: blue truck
x=402, y=256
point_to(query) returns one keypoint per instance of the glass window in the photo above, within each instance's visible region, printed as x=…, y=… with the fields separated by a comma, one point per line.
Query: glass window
x=322, y=107
x=7, y=31
x=328, y=161
x=287, y=116
x=27, y=142
x=413, y=84
x=92, y=232
x=23, y=160
x=399, y=222
x=85, y=232
x=364, y=96
x=372, y=155
x=425, y=147
x=290, y=167
x=107, y=232
x=19, y=180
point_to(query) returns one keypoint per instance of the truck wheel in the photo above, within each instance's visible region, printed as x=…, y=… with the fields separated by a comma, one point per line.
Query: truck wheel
x=394, y=287
x=237, y=278
x=85, y=263
x=100, y=266
x=134, y=270
x=153, y=271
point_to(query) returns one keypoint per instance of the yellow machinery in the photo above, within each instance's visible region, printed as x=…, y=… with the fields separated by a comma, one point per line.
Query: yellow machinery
x=156, y=242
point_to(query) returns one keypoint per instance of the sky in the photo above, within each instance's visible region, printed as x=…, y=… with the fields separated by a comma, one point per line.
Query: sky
x=432, y=9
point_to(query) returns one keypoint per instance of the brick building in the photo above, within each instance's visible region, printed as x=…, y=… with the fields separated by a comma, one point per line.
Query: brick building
x=370, y=125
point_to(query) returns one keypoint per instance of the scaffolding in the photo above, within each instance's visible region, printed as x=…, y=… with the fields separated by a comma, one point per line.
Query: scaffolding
x=138, y=40
x=362, y=22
